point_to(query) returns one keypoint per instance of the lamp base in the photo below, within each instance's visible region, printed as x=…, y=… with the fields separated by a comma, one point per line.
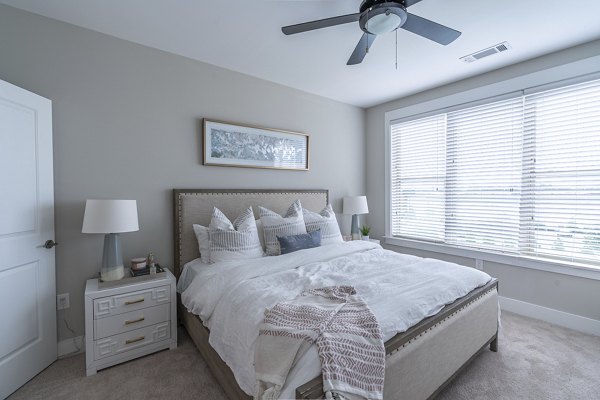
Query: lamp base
x=354, y=229
x=112, y=259
x=114, y=274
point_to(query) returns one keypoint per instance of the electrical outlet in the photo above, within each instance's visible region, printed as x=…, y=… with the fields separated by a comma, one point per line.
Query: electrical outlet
x=478, y=263
x=62, y=301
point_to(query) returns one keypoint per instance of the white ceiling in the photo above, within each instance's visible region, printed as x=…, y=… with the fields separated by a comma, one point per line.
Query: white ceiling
x=245, y=36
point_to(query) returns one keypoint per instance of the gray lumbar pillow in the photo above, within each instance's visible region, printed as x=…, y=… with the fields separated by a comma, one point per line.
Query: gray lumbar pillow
x=289, y=244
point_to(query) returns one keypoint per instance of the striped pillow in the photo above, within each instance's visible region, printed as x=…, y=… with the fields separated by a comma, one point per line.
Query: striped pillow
x=292, y=223
x=326, y=222
x=261, y=233
x=233, y=241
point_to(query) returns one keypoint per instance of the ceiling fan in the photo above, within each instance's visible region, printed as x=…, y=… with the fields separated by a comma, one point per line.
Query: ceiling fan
x=376, y=17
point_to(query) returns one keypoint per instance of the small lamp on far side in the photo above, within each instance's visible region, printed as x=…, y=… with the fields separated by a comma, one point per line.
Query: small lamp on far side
x=355, y=205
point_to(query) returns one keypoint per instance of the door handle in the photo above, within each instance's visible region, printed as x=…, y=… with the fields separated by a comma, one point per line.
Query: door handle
x=50, y=244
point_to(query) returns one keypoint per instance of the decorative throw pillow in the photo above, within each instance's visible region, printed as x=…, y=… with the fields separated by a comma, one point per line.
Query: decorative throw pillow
x=203, y=237
x=289, y=244
x=233, y=241
x=261, y=233
x=275, y=225
x=326, y=222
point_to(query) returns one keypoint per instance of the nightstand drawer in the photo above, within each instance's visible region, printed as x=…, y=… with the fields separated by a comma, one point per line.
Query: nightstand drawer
x=131, y=340
x=118, y=304
x=131, y=320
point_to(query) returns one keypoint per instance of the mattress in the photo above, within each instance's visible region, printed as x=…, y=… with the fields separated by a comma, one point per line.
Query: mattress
x=401, y=290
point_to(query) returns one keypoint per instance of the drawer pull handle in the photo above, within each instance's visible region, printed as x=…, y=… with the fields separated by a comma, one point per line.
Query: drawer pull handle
x=129, y=341
x=133, y=321
x=134, y=301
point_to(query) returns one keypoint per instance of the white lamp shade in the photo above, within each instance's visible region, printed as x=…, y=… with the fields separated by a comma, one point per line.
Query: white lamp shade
x=110, y=216
x=355, y=205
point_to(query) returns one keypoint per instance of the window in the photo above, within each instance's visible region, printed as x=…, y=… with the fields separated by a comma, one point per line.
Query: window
x=419, y=178
x=484, y=176
x=519, y=176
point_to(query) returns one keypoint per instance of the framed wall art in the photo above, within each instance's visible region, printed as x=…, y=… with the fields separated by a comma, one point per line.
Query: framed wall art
x=234, y=145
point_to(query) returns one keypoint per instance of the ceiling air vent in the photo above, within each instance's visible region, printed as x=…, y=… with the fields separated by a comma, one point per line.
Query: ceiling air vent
x=504, y=46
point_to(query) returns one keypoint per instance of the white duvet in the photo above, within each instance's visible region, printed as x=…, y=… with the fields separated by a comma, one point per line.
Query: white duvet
x=401, y=290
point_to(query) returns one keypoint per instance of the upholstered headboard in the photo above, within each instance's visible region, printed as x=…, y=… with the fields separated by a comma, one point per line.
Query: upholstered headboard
x=194, y=206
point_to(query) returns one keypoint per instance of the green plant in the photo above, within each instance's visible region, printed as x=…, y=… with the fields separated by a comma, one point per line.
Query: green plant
x=365, y=230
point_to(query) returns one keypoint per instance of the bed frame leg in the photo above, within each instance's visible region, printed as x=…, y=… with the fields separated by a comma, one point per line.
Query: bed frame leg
x=494, y=344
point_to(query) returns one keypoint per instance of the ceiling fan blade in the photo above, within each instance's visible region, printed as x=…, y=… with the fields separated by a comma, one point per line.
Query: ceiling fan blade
x=430, y=30
x=321, y=23
x=408, y=3
x=360, y=51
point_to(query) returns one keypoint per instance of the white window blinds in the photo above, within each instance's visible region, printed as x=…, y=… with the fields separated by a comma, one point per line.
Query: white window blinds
x=562, y=163
x=520, y=176
x=484, y=176
x=418, y=178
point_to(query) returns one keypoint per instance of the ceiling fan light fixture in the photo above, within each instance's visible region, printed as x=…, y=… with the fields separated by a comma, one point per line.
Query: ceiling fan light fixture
x=383, y=23
x=382, y=18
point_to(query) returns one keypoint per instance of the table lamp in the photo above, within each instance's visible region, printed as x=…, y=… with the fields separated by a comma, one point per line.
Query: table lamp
x=110, y=217
x=355, y=205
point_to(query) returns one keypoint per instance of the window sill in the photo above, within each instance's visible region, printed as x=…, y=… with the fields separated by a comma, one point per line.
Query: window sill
x=532, y=263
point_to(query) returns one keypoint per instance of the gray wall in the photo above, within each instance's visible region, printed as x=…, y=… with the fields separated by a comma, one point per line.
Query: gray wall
x=115, y=102
x=127, y=125
x=574, y=295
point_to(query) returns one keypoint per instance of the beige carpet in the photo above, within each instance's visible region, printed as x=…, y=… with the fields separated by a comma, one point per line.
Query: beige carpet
x=536, y=361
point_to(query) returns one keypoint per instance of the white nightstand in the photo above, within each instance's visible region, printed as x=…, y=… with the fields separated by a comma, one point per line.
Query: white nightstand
x=128, y=321
x=375, y=241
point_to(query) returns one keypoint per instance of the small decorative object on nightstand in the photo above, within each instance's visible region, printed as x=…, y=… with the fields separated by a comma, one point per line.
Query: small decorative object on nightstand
x=151, y=263
x=138, y=263
x=364, y=231
x=355, y=205
x=123, y=322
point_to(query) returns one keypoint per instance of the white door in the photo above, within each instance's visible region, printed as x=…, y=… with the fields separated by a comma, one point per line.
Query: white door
x=27, y=278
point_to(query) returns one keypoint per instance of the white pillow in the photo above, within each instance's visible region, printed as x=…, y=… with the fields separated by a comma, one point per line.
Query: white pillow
x=275, y=225
x=261, y=233
x=233, y=241
x=203, y=237
x=326, y=222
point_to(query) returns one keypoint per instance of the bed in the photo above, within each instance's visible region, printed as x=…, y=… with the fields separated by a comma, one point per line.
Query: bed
x=419, y=361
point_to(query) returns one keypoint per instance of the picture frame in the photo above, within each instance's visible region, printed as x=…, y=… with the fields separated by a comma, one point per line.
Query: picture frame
x=230, y=144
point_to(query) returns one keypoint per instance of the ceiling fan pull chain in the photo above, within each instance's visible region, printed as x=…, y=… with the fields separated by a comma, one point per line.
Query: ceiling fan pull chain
x=396, y=49
x=367, y=28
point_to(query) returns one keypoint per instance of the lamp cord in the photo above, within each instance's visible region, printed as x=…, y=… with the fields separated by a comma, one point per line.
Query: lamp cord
x=367, y=27
x=396, y=49
x=74, y=340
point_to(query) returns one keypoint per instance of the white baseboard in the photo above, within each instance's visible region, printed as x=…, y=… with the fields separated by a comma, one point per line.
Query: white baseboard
x=68, y=347
x=572, y=321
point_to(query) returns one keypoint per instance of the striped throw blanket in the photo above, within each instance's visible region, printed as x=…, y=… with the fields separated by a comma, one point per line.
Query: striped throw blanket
x=348, y=339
